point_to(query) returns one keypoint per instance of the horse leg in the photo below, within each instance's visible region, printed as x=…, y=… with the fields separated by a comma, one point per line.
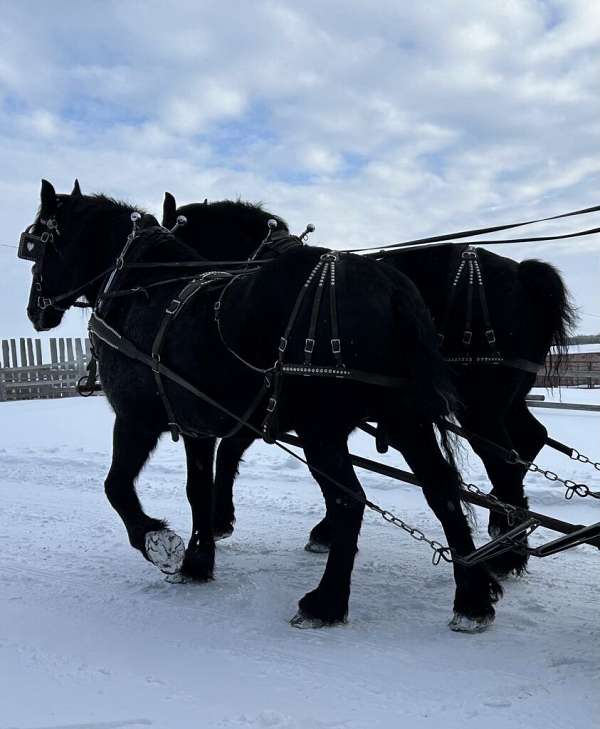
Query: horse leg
x=327, y=455
x=476, y=588
x=131, y=448
x=507, y=485
x=200, y=553
x=526, y=432
x=229, y=456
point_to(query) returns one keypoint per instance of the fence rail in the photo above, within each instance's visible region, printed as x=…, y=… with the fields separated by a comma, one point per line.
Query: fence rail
x=27, y=372
x=577, y=370
x=24, y=375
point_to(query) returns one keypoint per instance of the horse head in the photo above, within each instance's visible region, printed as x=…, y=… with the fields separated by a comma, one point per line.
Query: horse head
x=73, y=239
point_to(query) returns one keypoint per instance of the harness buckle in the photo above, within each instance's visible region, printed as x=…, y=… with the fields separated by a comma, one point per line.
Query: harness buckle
x=173, y=307
x=282, y=344
x=217, y=309
x=272, y=404
x=156, y=363
x=119, y=263
x=468, y=254
x=336, y=346
x=309, y=346
x=43, y=302
x=490, y=335
x=331, y=256
x=467, y=337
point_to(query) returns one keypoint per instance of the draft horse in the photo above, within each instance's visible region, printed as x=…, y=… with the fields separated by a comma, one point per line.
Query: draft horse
x=497, y=320
x=78, y=246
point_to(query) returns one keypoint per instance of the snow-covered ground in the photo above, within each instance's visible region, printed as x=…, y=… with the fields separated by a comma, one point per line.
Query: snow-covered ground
x=91, y=637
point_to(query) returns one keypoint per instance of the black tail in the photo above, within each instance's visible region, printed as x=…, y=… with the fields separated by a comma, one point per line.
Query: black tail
x=556, y=313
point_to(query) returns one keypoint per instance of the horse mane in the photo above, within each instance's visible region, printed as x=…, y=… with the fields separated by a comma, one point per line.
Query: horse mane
x=105, y=201
x=245, y=211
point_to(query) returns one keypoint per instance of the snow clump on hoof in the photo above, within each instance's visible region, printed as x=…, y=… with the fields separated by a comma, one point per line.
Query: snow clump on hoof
x=463, y=624
x=166, y=550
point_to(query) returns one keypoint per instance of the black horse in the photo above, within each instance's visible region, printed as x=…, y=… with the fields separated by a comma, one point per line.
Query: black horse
x=78, y=241
x=497, y=334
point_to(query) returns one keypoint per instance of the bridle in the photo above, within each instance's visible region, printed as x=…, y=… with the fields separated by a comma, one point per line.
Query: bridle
x=33, y=247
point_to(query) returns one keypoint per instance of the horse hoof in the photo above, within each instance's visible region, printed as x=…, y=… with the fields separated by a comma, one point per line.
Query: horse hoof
x=316, y=547
x=463, y=624
x=303, y=622
x=225, y=534
x=166, y=550
x=178, y=578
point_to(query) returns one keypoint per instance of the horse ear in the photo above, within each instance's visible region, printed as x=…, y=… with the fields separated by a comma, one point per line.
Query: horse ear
x=76, y=189
x=48, y=198
x=169, y=211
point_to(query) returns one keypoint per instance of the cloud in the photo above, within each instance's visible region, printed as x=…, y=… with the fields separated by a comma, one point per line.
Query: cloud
x=376, y=122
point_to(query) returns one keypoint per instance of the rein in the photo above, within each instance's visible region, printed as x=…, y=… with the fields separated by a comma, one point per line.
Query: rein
x=450, y=238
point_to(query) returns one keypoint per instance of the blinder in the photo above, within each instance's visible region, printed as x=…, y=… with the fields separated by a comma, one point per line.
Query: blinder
x=31, y=246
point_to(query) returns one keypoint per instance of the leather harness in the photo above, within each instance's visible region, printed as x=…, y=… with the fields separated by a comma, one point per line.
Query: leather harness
x=322, y=274
x=322, y=277
x=470, y=266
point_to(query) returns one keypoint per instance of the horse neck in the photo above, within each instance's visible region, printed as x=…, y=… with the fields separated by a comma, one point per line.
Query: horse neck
x=105, y=230
x=226, y=232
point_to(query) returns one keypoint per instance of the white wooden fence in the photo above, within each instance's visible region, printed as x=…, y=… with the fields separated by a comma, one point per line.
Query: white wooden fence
x=29, y=373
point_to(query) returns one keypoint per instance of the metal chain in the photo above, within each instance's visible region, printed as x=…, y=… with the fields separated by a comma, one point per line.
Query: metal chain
x=439, y=550
x=571, y=486
x=512, y=512
x=577, y=456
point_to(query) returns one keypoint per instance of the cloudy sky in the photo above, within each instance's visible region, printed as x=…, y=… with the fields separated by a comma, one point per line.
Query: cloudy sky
x=376, y=121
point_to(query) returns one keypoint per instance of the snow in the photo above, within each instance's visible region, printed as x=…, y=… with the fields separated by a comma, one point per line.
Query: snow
x=583, y=348
x=91, y=637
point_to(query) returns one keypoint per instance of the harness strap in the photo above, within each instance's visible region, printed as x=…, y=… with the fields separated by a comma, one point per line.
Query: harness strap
x=450, y=237
x=269, y=427
x=495, y=359
x=202, y=263
x=485, y=312
x=344, y=373
x=104, y=332
x=309, y=344
x=523, y=364
x=561, y=447
x=468, y=331
x=44, y=302
x=296, y=308
x=336, y=345
x=171, y=312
